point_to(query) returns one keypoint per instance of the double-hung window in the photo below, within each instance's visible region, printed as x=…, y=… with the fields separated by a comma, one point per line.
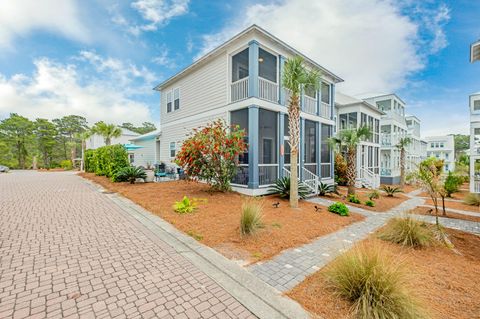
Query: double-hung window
x=172, y=149
x=169, y=102
x=176, y=98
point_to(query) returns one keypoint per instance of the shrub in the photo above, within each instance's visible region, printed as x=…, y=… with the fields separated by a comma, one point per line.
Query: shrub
x=339, y=208
x=282, y=187
x=324, y=189
x=185, y=206
x=66, y=165
x=375, y=282
x=130, y=174
x=352, y=198
x=452, y=184
x=370, y=203
x=89, y=161
x=472, y=199
x=391, y=190
x=374, y=195
x=107, y=160
x=407, y=231
x=340, y=168
x=211, y=154
x=251, y=218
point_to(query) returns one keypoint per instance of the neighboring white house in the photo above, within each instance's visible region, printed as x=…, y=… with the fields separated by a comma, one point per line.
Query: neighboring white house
x=474, y=103
x=416, y=151
x=442, y=147
x=392, y=127
x=240, y=82
x=354, y=113
x=96, y=140
x=146, y=149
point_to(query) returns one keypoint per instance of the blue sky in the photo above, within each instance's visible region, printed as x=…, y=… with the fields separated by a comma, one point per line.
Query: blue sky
x=101, y=58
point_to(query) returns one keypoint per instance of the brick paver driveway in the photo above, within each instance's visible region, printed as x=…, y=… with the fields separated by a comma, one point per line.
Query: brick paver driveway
x=67, y=251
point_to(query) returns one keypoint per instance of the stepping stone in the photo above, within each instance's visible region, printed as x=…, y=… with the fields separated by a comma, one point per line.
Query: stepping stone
x=288, y=266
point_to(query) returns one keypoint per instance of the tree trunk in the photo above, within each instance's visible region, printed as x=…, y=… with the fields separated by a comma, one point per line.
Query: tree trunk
x=443, y=206
x=107, y=141
x=294, y=123
x=402, y=167
x=351, y=169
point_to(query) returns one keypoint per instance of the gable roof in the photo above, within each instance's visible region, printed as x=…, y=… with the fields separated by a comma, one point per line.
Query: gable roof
x=252, y=28
x=347, y=100
x=146, y=136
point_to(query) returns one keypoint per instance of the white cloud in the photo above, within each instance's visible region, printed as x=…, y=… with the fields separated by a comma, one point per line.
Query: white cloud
x=435, y=22
x=163, y=59
x=157, y=13
x=56, y=90
x=369, y=43
x=19, y=17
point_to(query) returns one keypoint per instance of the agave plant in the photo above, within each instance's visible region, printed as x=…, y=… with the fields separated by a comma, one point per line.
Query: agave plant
x=324, y=189
x=130, y=174
x=391, y=190
x=282, y=187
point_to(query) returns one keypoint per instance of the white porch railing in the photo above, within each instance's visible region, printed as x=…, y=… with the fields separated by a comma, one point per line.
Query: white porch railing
x=239, y=90
x=388, y=139
x=267, y=174
x=368, y=178
x=476, y=186
x=311, y=180
x=267, y=90
x=325, y=170
x=325, y=110
x=309, y=105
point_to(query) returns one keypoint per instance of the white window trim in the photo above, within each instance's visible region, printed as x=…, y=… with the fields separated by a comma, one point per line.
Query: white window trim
x=166, y=101
x=170, y=149
x=179, y=99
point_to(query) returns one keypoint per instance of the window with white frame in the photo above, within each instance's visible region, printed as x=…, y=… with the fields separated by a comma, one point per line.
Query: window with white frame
x=476, y=105
x=176, y=98
x=172, y=149
x=325, y=91
x=169, y=102
x=131, y=157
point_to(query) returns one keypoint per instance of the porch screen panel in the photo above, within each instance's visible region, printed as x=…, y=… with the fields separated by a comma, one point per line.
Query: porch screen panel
x=309, y=143
x=240, y=118
x=267, y=65
x=325, y=155
x=267, y=139
x=240, y=65
x=286, y=133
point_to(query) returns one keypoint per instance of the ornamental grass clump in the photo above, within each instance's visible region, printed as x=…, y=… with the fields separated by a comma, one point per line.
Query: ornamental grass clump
x=472, y=199
x=375, y=282
x=251, y=218
x=407, y=231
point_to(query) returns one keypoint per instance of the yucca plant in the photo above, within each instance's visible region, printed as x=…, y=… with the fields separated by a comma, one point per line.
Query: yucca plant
x=407, y=231
x=391, y=190
x=375, y=282
x=251, y=218
x=472, y=199
x=373, y=195
x=130, y=174
x=324, y=189
x=282, y=187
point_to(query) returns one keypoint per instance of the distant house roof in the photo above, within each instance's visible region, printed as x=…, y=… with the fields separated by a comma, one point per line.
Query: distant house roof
x=128, y=132
x=217, y=50
x=147, y=136
x=346, y=100
x=373, y=95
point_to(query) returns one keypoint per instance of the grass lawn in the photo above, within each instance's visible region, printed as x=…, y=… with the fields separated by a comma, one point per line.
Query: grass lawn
x=446, y=283
x=382, y=204
x=216, y=221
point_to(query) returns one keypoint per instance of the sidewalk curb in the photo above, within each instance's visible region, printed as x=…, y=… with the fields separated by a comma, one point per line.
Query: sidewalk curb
x=260, y=298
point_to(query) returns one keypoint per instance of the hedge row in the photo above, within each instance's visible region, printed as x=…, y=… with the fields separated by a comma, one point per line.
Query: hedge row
x=106, y=160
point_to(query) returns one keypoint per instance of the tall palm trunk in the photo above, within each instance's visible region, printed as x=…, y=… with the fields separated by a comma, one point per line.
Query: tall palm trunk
x=351, y=169
x=402, y=167
x=294, y=122
x=107, y=141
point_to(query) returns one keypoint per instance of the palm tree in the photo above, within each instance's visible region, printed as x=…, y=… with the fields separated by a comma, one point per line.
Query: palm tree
x=84, y=136
x=108, y=131
x=401, y=146
x=350, y=139
x=296, y=78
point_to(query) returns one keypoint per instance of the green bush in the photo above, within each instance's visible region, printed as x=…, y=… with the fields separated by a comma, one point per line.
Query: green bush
x=66, y=165
x=106, y=160
x=130, y=174
x=407, y=232
x=452, y=184
x=370, y=203
x=472, y=199
x=185, y=206
x=391, y=190
x=339, y=208
x=251, y=218
x=352, y=198
x=374, y=195
x=375, y=282
x=282, y=187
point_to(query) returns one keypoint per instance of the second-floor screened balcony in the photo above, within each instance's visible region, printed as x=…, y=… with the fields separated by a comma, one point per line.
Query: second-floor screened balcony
x=256, y=72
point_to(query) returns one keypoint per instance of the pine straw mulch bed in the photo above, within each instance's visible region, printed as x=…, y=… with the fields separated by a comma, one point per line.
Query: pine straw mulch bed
x=216, y=222
x=422, y=210
x=455, y=205
x=446, y=283
x=460, y=195
x=382, y=204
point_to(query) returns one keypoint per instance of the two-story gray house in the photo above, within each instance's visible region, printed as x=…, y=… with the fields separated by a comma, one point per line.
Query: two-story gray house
x=240, y=82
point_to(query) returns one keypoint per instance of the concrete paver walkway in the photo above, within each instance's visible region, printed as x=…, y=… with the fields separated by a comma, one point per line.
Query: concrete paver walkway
x=66, y=250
